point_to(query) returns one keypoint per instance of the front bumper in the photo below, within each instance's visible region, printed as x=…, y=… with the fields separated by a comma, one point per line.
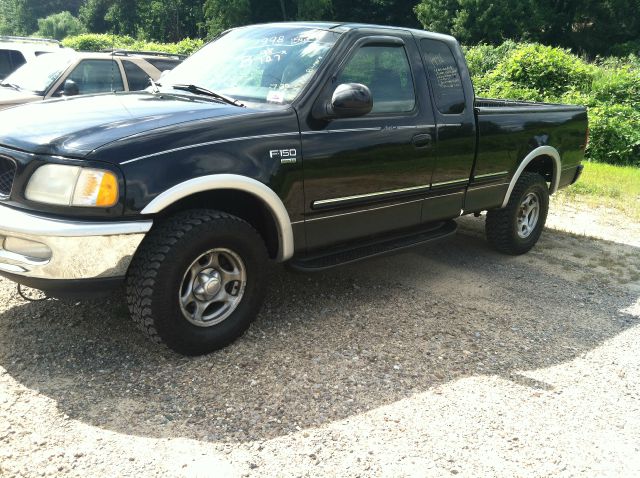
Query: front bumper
x=66, y=249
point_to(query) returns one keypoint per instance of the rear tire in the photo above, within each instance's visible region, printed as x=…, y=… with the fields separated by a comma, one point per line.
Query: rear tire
x=516, y=228
x=196, y=282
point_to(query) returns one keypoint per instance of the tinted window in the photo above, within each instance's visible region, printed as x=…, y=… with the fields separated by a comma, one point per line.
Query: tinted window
x=136, y=76
x=97, y=76
x=163, y=64
x=444, y=75
x=9, y=61
x=385, y=70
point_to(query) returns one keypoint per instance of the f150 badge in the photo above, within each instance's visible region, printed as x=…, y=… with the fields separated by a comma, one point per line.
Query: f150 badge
x=285, y=156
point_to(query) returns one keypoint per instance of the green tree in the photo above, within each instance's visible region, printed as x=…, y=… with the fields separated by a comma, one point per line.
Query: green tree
x=20, y=17
x=593, y=27
x=59, y=26
x=474, y=21
x=171, y=20
x=93, y=15
x=222, y=14
x=314, y=9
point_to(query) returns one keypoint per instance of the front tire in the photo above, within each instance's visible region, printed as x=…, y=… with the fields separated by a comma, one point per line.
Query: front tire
x=516, y=228
x=197, y=281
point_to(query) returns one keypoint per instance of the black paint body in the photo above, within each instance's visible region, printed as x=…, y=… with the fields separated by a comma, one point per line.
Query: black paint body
x=427, y=165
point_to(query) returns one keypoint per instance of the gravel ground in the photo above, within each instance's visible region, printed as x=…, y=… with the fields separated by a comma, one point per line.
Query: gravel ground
x=446, y=360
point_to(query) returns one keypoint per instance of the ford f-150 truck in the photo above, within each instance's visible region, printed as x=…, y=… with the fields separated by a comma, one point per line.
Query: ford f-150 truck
x=314, y=144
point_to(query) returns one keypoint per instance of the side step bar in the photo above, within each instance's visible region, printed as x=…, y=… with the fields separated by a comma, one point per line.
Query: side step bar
x=358, y=252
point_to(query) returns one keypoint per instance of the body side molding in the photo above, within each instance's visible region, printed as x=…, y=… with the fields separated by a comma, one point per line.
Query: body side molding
x=240, y=183
x=540, y=151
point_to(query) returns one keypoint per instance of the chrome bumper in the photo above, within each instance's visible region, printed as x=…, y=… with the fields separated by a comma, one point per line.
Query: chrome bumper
x=64, y=249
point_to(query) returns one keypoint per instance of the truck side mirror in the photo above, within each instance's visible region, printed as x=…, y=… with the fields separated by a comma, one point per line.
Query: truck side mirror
x=70, y=88
x=349, y=100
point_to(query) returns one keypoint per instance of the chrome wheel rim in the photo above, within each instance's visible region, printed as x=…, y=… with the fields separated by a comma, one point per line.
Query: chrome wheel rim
x=528, y=215
x=212, y=287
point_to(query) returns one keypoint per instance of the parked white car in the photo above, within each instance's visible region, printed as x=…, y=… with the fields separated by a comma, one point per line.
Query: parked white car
x=16, y=51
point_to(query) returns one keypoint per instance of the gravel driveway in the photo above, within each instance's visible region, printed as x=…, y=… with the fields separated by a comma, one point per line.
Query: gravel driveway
x=445, y=360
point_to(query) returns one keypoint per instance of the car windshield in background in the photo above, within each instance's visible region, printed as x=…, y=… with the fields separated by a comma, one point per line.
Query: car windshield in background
x=38, y=75
x=257, y=64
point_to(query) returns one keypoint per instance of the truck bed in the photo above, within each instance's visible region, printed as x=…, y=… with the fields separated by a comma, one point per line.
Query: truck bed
x=509, y=130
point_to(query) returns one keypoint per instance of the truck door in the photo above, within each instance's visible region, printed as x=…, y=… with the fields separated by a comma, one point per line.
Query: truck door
x=365, y=176
x=456, y=128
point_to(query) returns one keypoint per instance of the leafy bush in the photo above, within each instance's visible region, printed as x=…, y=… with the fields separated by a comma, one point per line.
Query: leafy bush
x=550, y=71
x=100, y=41
x=609, y=87
x=619, y=85
x=509, y=90
x=615, y=135
x=97, y=41
x=483, y=58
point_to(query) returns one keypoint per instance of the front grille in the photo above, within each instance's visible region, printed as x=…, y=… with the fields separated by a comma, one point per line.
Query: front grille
x=7, y=174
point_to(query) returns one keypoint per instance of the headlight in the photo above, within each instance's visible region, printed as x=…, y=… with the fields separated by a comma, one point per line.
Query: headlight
x=73, y=186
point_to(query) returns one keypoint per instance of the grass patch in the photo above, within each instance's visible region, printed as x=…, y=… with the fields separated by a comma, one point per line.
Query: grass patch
x=607, y=185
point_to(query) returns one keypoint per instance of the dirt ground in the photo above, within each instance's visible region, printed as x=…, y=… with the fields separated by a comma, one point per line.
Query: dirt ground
x=445, y=360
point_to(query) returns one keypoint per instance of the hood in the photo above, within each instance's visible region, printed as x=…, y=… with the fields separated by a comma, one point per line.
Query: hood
x=76, y=126
x=10, y=97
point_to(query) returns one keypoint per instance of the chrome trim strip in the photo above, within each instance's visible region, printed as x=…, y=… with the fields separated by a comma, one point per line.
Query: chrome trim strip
x=377, y=128
x=240, y=183
x=540, y=151
x=210, y=143
x=475, y=188
x=489, y=175
x=444, y=125
x=384, y=207
x=351, y=130
x=15, y=222
x=322, y=202
x=452, y=182
x=362, y=210
x=457, y=193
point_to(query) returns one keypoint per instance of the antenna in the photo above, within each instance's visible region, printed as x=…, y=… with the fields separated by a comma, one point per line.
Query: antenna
x=113, y=63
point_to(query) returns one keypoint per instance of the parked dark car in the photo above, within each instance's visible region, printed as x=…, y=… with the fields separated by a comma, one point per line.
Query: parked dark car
x=314, y=144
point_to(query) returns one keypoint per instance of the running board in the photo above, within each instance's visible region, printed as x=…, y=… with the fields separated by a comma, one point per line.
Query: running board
x=359, y=252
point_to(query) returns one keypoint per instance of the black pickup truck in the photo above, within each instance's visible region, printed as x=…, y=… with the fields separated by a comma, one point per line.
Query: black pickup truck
x=314, y=144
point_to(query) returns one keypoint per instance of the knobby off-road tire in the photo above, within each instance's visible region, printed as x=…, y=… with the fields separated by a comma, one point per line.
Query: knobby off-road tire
x=197, y=281
x=516, y=228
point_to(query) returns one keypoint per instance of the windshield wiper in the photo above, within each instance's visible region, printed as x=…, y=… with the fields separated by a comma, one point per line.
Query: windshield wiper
x=10, y=85
x=199, y=90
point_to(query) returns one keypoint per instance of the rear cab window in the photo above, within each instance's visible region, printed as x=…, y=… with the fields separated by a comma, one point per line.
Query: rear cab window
x=444, y=76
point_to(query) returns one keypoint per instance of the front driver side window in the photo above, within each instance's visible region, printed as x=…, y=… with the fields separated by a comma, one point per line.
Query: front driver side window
x=97, y=76
x=385, y=70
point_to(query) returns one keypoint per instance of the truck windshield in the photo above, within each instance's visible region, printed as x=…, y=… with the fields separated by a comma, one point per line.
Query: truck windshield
x=38, y=75
x=262, y=64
